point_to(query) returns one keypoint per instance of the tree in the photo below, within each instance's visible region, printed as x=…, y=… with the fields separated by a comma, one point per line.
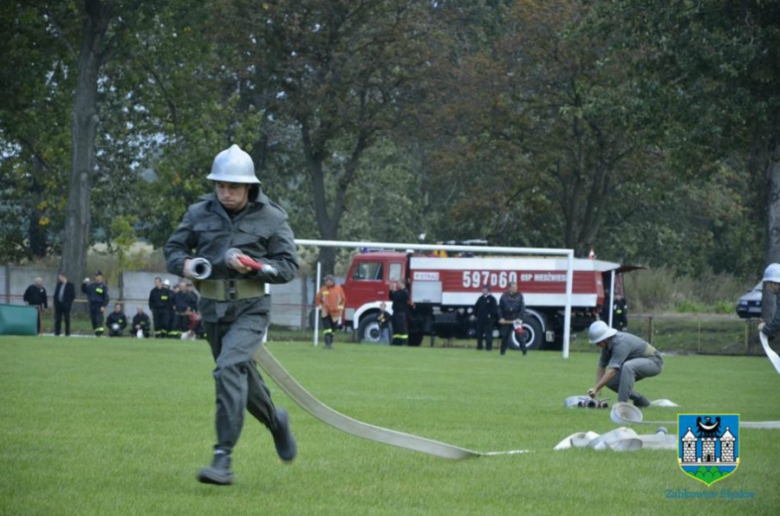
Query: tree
x=94, y=50
x=709, y=71
x=35, y=81
x=341, y=72
x=538, y=117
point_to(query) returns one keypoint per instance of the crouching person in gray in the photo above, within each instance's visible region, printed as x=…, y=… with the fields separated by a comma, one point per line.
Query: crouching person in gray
x=625, y=359
x=233, y=304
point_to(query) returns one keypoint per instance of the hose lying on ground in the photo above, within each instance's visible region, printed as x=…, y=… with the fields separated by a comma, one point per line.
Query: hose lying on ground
x=627, y=414
x=620, y=439
x=327, y=415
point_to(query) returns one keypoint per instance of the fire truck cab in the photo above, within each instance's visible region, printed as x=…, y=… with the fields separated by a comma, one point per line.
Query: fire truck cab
x=443, y=291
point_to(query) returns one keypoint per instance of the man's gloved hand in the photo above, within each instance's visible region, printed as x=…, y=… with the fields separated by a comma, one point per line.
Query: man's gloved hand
x=233, y=261
x=237, y=260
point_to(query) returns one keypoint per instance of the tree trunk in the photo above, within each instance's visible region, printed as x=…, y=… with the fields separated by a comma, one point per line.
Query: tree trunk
x=328, y=222
x=773, y=221
x=36, y=231
x=327, y=228
x=84, y=120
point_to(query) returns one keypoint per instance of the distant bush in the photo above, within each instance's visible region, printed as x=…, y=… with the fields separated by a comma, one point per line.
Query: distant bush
x=661, y=290
x=686, y=306
x=724, y=307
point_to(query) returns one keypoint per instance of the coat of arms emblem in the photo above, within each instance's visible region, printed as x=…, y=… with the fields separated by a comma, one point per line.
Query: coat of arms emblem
x=708, y=445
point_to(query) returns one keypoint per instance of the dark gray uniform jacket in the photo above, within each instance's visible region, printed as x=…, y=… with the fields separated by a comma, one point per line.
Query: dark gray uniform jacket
x=260, y=231
x=511, y=307
x=624, y=347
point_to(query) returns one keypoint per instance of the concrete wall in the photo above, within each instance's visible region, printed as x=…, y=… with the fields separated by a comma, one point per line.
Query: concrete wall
x=4, y=278
x=15, y=280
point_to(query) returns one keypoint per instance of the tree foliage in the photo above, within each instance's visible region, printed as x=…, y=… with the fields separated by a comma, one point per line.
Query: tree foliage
x=641, y=128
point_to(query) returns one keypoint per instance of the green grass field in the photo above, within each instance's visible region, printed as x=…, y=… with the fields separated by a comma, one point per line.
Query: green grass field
x=120, y=426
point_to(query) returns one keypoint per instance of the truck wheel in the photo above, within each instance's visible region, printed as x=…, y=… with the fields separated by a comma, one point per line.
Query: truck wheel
x=368, y=330
x=532, y=333
x=415, y=338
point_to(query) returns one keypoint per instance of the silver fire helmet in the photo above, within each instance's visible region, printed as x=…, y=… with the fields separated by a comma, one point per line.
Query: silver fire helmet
x=599, y=331
x=233, y=166
x=772, y=273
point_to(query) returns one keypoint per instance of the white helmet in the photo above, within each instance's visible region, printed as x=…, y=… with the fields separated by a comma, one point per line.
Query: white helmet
x=772, y=273
x=599, y=331
x=233, y=166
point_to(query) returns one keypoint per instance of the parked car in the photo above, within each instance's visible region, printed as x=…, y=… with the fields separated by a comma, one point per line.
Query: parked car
x=749, y=305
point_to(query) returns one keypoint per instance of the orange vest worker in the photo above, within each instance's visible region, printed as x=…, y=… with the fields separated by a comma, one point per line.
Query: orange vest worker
x=331, y=299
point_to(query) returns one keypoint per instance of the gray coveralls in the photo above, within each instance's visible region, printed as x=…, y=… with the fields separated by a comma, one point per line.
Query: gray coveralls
x=635, y=360
x=235, y=312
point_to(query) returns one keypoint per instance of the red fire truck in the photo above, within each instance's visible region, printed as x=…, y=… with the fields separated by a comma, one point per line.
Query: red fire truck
x=443, y=292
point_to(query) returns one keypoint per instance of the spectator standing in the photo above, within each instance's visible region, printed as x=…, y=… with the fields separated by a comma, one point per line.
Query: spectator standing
x=510, y=316
x=35, y=295
x=486, y=312
x=400, y=298
x=159, y=304
x=141, y=323
x=169, y=310
x=116, y=321
x=383, y=319
x=64, y=294
x=331, y=300
x=233, y=304
x=182, y=305
x=619, y=311
x=98, y=298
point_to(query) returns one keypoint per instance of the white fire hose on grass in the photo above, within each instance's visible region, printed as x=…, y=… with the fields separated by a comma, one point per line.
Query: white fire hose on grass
x=626, y=439
x=358, y=428
x=627, y=414
x=620, y=439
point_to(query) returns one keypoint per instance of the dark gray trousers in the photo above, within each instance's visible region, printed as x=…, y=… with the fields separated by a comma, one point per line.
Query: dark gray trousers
x=238, y=382
x=633, y=371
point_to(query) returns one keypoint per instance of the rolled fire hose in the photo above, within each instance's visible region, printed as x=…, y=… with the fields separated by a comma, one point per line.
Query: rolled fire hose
x=770, y=354
x=627, y=414
x=620, y=439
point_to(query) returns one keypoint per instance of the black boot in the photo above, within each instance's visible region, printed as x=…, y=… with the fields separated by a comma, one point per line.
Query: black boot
x=328, y=341
x=219, y=472
x=286, y=447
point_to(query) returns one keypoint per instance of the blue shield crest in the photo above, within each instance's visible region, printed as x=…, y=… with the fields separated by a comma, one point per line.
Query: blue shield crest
x=708, y=445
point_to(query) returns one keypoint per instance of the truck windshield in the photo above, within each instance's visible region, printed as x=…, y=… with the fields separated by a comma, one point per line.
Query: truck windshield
x=368, y=271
